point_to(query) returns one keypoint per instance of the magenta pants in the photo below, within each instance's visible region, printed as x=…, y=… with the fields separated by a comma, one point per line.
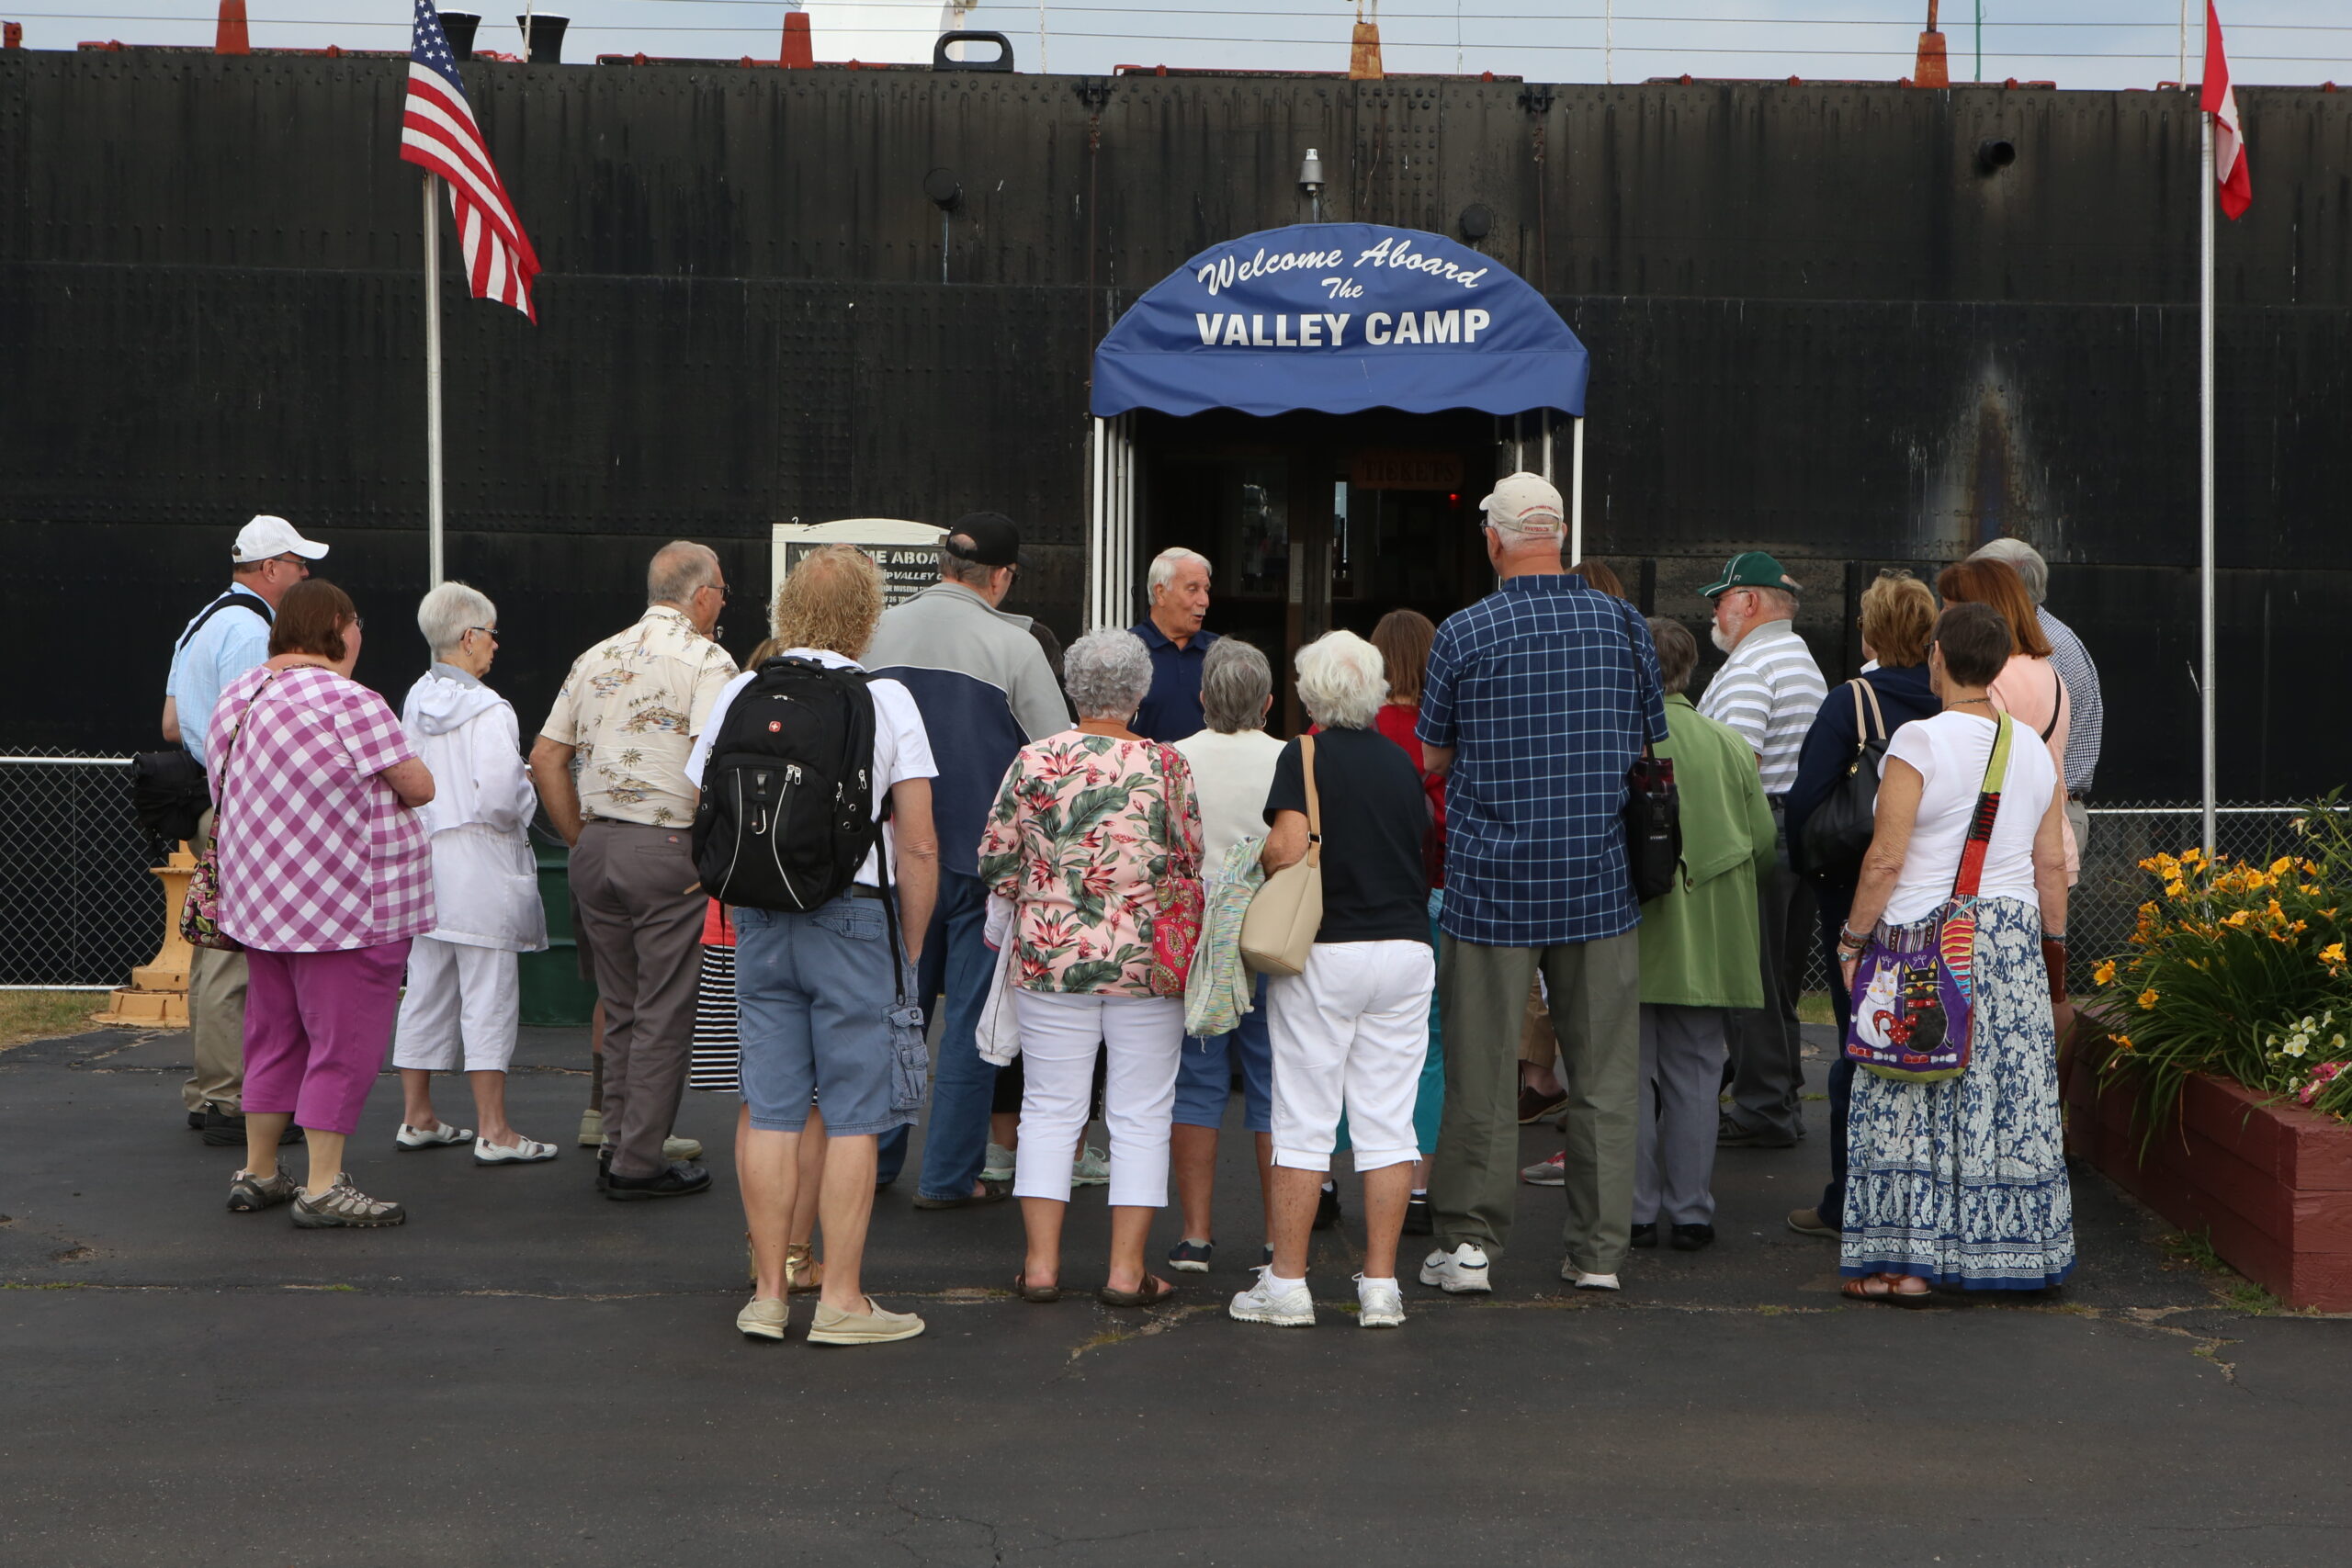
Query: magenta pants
x=318, y=1026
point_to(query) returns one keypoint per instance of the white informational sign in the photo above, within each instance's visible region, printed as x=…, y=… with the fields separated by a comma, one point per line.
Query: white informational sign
x=907, y=552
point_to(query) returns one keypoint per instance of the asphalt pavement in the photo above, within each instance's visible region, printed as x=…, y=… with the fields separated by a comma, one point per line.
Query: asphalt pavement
x=526, y=1372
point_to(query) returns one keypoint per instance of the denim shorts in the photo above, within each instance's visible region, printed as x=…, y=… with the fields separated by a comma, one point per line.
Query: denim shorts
x=1204, y=1074
x=817, y=994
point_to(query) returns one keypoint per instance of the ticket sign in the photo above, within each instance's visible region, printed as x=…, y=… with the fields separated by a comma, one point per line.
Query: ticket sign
x=1405, y=470
x=907, y=552
x=1339, y=318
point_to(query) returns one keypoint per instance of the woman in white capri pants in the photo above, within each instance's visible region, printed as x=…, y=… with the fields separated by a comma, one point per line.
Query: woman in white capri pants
x=1086, y=825
x=1351, y=1030
x=461, y=1008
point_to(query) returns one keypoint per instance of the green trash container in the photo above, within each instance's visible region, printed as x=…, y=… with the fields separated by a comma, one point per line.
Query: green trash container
x=554, y=995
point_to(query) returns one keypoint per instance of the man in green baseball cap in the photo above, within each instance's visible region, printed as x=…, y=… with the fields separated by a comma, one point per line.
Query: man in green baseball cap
x=1768, y=690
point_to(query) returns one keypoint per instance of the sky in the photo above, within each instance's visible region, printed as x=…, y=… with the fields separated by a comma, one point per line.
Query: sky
x=2076, y=43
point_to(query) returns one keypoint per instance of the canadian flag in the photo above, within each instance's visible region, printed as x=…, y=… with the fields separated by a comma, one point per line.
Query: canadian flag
x=2220, y=101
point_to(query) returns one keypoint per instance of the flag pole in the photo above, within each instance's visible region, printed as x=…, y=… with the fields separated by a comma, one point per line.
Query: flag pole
x=432, y=390
x=2207, y=197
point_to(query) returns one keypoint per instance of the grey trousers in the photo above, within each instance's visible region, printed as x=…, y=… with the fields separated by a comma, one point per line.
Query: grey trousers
x=216, y=1015
x=1768, y=1069
x=1482, y=996
x=641, y=910
x=1682, y=1067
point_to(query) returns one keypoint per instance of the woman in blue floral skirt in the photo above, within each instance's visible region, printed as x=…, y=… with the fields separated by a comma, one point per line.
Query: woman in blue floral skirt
x=1962, y=1183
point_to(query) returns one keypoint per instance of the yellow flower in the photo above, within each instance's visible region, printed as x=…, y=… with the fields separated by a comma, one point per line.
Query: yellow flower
x=2105, y=973
x=2331, y=954
x=2237, y=917
x=2148, y=999
x=2122, y=1041
x=2282, y=866
x=2194, y=856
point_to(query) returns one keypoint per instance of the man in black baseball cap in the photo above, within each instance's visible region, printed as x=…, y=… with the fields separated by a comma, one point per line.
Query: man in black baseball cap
x=984, y=689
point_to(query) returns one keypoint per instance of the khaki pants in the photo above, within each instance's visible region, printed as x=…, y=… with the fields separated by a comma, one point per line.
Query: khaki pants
x=1596, y=1018
x=641, y=911
x=216, y=1015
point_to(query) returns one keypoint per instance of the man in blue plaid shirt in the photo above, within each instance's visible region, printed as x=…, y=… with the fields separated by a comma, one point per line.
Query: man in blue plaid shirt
x=1535, y=702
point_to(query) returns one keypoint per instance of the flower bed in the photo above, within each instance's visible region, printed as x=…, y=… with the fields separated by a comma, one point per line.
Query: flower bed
x=2211, y=1076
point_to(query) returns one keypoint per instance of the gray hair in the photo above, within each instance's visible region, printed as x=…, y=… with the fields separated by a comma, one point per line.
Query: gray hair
x=2025, y=560
x=1107, y=673
x=1342, y=680
x=677, y=570
x=954, y=568
x=449, y=612
x=1781, y=602
x=1235, y=681
x=1163, y=567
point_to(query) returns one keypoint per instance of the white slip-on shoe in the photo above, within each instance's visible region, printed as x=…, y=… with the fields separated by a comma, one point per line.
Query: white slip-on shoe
x=1460, y=1273
x=522, y=1151
x=1292, y=1308
x=1379, y=1304
x=872, y=1327
x=410, y=1137
x=764, y=1317
x=1585, y=1282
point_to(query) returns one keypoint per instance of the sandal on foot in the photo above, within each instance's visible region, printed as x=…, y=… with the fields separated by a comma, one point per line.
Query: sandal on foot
x=1886, y=1292
x=1040, y=1295
x=1151, y=1293
x=802, y=1272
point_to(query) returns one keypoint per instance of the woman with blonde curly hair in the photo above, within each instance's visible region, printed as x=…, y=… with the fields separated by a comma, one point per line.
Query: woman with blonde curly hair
x=815, y=988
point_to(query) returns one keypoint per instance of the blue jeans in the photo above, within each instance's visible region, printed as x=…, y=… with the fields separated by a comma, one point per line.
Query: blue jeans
x=957, y=964
x=814, y=992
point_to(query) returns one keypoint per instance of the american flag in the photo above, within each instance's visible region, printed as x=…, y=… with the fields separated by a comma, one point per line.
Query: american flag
x=438, y=130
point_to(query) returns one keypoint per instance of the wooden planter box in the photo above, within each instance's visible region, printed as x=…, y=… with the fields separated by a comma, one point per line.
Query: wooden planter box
x=2268, y=1182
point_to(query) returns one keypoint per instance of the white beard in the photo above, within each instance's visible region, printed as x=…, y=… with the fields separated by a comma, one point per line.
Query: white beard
x=1723, y=644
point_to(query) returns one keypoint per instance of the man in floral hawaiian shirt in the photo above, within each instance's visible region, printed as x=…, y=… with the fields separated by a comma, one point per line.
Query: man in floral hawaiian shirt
x=628, y=712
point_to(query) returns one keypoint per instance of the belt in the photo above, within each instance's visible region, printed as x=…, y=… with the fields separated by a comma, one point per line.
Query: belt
x=860, y=890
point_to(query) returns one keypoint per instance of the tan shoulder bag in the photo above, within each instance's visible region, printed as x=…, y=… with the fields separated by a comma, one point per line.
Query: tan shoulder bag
x=1288, y=909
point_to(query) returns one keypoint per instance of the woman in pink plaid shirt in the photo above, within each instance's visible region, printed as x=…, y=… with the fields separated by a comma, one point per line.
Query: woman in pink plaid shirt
x=326, y=876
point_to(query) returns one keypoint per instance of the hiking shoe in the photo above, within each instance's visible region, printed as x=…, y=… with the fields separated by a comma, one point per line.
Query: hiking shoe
x=1691, y=1238
x=592, y=1129
x=1290, y=1308
x=1191, y=1257
x=1808, y=1222
x=1326, y=1209
x=1091, y=1167
x=1417, y=1215
x=1460, y=1273
x=438, y=1138
x=763, y=1319
x=249, y=1193
x=1553, y=1172
x=675, y=1148
x=344, y=1207
x=678, y=1181
x=1379, y=1304
x=872, y=1327
x=997, y=1165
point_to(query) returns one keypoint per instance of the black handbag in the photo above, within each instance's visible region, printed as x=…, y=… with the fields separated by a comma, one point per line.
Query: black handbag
x=1838, y=834
x=1652, y=818
x=168, y=793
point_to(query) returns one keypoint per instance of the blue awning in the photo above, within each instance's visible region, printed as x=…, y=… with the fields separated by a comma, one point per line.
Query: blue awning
x=1339, y=318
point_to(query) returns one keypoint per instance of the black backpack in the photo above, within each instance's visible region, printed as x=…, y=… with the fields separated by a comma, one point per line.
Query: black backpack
x=786, y=815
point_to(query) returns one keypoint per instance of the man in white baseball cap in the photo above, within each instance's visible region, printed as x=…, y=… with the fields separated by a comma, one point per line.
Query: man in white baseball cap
x=1523, y=504
x=224, y=640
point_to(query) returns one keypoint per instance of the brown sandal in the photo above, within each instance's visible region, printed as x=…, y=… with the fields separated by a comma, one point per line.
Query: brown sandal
x=1886, y=1293
x=1153, y=1291
x=802, y=1272
x=1042, y=1295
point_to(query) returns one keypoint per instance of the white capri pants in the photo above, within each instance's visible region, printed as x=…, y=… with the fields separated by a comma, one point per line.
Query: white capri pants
x=1144, y=1039
x=1352, y=1031
x=462, y=1007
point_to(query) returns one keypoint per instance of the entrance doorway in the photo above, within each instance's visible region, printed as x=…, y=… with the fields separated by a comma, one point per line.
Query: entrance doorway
x=1316, y=521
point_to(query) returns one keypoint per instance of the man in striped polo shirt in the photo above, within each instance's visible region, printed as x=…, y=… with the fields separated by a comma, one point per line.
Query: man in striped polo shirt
x=1768, y=690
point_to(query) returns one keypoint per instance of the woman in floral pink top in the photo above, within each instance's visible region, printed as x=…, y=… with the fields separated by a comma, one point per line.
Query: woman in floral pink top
x=326, y=876
x=1086, y=825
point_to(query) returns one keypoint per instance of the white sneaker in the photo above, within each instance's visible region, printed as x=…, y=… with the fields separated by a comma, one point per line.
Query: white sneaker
x=441, y=1136
x=1090, y=1168
x=675, y=1148
x=523, y=1151
x=1379, y=1304
x=998, y=1165
x=1460, y=1273
x=1293, y=1308
x=1584, y=1281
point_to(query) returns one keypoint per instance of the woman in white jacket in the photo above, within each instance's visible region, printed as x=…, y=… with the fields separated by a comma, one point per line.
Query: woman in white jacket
x=462, y=1006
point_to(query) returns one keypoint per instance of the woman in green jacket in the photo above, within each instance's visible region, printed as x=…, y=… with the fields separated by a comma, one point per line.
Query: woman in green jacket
x=1699, y=960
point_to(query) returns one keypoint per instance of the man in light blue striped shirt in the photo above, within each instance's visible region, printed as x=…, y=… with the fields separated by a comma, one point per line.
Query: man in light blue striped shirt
x=1768, y=691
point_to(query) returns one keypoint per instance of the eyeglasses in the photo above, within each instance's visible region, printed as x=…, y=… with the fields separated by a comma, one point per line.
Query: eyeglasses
x=296, y=562
x=359, y=623
x=490, y=632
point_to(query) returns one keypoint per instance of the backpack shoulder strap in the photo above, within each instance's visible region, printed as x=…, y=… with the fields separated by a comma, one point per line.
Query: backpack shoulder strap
x=233, y=600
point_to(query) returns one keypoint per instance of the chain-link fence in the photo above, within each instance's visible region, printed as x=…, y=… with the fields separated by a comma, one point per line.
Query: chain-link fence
x=77, y=906
x=2104, y=905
